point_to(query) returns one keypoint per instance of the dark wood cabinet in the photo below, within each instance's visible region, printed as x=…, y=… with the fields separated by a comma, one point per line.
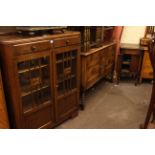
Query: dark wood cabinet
x=42, y=78
x=34, y=81
x=129, y=62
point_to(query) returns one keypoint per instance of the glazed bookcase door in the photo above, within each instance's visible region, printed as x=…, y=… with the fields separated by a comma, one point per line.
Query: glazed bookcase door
x=66, y=64
x=66, y=80
x=34, y=81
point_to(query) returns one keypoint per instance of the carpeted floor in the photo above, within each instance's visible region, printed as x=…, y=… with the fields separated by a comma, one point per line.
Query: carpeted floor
x=113, y=107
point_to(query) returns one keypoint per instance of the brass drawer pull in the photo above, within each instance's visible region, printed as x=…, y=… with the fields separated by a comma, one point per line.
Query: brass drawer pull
x=67, y=42
x=33, y=48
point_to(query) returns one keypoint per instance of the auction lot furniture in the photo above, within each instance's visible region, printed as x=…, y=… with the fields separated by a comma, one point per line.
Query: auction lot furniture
x=41, y=76
x=97, y=55
x=129, y=61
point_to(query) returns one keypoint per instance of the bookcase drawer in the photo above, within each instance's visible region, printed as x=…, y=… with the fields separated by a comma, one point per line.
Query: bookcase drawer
x=26, y=48
x=66, y=41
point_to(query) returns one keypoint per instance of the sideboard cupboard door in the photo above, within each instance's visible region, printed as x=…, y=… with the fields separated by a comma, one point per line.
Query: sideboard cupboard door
x=34, y=76
x=66, y=79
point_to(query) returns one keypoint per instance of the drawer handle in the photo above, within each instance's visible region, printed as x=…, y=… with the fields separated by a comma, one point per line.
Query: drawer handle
x=67, y=42
x=151, y=73
x=33, y=48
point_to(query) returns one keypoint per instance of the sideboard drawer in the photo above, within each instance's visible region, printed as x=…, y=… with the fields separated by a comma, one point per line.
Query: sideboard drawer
x=93, y=59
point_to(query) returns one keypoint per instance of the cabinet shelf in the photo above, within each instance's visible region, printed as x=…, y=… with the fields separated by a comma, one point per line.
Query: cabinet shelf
x=126, y=62
x=65, y=59
x=125, y=71
x=31, y=109
x=66, y=93
x=67, y=78
x=31, y=69
x=23, y=94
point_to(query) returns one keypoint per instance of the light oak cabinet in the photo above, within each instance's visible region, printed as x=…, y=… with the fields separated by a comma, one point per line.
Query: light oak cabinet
x=96, y=64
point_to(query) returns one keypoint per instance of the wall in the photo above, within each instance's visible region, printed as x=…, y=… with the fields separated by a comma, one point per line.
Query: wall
x=117, y=36
x=7, y=29
x=132, y=34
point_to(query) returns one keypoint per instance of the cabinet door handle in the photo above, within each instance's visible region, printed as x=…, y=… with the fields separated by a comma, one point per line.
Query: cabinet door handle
x=51, y=41
x=67, y=42
x=33, y=48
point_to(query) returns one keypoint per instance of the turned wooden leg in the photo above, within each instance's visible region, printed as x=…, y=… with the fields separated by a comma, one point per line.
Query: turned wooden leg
x=140, y=80
x=82, y=105
x=153, y=119
x=135, y=78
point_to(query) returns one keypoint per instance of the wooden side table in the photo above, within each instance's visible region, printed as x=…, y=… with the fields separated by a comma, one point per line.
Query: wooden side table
x=129, y=61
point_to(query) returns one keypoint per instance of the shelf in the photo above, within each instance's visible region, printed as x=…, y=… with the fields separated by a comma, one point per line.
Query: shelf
x=31, y=69
x=28, y=110
x=65, y=59
x=126, y=62
x=33, y=91
x=67, y=78
x=125, y=71
x=67, y=93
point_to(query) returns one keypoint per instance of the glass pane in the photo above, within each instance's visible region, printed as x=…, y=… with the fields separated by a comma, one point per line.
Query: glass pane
x=73, y=66
x=66, y=71
x=28, y=102
x=73, y=83
x=45, y=60
x=46, y=94
x=61, y=88
x=24, y=82
x=23, y=65
x=34, y=78
x=74, y=53
x=59, y=57
x=34, y=63
x=60, y=71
